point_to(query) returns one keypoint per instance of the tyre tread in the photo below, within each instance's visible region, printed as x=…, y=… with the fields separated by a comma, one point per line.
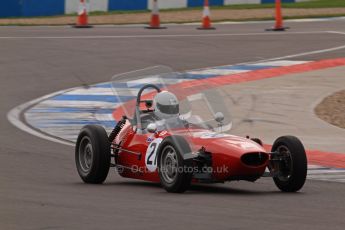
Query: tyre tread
x=101, y=148
x=299, y=174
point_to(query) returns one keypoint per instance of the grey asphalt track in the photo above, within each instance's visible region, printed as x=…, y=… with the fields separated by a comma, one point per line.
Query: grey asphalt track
x=39, y=186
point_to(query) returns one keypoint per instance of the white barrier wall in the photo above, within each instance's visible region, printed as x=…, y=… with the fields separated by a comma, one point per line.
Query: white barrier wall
x=166, y=4
x=232, y=2
x=71, y=6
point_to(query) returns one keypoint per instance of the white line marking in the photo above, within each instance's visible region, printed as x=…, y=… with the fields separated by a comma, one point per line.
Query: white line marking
x=327, y=176
x=92, y=91
x=325, y=171
x=308, y=53
x=336, y=32
x=218, y=71
x=57, y=116
x=321, y=173
x=162, y=35
x=79, y=104
x=262, y=61
x=104, y=117
x=316, y=19
x=14, y=117
x=281, y=63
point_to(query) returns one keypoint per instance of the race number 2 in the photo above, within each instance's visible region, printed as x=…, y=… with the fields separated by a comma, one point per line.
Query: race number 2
x=151, y=155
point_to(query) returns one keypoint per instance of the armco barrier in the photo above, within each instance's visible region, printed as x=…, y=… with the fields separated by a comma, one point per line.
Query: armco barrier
x=25, y=8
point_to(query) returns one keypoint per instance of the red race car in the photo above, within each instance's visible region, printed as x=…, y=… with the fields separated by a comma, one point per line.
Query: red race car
x=175, y=131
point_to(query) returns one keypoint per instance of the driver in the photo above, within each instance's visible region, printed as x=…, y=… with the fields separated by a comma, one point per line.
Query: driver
x=166, y=105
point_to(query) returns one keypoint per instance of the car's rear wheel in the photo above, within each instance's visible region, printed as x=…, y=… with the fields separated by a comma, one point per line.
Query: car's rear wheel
x=174, y=171
x=92, y=154
x=289, y=164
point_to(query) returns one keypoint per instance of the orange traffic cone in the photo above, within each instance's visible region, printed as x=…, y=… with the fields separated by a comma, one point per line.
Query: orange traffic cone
x=82, y=21
x=206, y=21
x=279, y=18
x=155, y=21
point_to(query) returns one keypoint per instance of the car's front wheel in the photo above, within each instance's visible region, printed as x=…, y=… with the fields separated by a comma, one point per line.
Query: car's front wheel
x=174, y=171
x=289, y=164
x=92, y=154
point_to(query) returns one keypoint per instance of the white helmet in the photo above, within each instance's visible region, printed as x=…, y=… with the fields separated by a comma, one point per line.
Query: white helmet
x=166, y=105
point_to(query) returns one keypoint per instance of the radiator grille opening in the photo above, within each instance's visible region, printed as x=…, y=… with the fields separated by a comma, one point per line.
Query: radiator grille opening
x=254, y=159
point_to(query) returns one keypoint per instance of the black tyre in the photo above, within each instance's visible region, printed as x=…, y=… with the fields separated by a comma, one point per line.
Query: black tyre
x=175, y=173
x=92, y=154
x=290, y=166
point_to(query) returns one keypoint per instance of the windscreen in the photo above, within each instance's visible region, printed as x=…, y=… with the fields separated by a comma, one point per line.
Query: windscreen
x=202, y=105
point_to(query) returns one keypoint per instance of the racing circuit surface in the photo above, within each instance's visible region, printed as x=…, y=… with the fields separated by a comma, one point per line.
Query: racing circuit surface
x=40, y=188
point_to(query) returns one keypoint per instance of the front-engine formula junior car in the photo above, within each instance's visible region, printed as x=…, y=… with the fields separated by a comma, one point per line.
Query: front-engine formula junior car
x=176, y=132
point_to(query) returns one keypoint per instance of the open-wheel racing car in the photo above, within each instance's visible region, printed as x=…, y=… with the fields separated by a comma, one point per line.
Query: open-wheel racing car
x=175, y=131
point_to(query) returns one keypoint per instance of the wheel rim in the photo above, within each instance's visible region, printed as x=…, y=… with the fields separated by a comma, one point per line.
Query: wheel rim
x=169, y=164
x=285, y=166
x=85, y=154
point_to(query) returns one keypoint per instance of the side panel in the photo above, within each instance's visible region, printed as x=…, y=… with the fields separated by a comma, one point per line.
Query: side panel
x=135, y=168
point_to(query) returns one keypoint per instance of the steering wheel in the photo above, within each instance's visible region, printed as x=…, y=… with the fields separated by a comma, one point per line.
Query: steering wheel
x=142, y=90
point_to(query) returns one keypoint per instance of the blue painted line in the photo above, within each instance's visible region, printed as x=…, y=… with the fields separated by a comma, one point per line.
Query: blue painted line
x=71, y=110
x=61, y=123
x=140, y=85
x=104, y=98
x=122, y=85
x=200, y=76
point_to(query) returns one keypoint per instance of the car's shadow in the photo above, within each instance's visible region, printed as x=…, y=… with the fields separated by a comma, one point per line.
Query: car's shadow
x=225, y=189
